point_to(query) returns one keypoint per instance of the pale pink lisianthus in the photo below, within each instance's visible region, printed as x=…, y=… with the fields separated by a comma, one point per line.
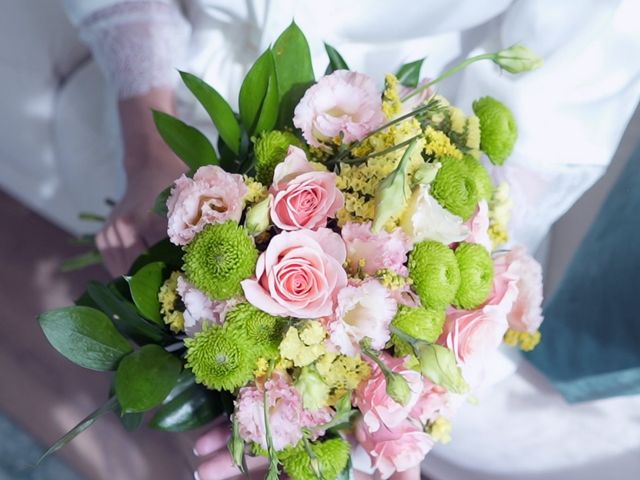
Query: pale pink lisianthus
x=301, y=196
x=199, y=308
x=211, y=196
x=362, y=311
x=299, y=274
x=478, y=226
x=394, y=450
x=378, y=409
x=286, y=415
x=432, y=403
x=342, y=103
x=375, y=251
x=526, y=313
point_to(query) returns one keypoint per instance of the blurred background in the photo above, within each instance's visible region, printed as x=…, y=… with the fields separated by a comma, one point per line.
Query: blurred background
x=42, y=395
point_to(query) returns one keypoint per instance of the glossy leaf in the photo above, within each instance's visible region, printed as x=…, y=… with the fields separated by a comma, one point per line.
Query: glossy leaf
x=269, y=109
x=336, y=62
x=83, y=260
x=192, y=408
x=294, y=70
x=163, y=251
x=124, y=315
x=409, y=73
x=188, y=143
x=144, y=378
x=254, y=89
x=85, y=336
x=145, y=285
x=89, y=420
x=218, y=109
x=160, y=203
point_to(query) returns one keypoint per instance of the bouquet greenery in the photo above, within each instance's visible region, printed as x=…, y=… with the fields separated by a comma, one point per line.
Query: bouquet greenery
x=331, y=278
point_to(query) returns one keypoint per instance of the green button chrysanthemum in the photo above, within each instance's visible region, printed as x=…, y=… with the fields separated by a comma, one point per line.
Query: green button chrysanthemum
x=455, y=188
x=498, y=129
x=476, y=275
x=435, y=274
x=219, y=258
x=481, y=176
x=270, y=149
x=220, y=360
x=420, y=323
x=264, y=331
x=332, y=456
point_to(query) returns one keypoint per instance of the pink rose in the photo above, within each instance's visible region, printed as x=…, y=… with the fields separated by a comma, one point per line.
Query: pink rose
x=377, y=250
x=479, y=226
x=302, y=197
x=378, y=409
x=433, y=402
x=299, y=274
x=526, y=313
x=364, y=310
x=342, y=103
x=394, y=450
x=211, y=196
x=286, y=415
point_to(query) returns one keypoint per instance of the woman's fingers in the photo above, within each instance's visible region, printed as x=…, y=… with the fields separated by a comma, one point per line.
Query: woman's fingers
x=212, y=441
x=119, y=243
x=220, y=466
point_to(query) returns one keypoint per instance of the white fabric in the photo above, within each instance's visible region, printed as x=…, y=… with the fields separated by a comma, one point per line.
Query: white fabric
x=61, y=153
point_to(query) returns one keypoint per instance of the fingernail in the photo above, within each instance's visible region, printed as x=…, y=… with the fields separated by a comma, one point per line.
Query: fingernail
x=195, y=452
x=196, y=475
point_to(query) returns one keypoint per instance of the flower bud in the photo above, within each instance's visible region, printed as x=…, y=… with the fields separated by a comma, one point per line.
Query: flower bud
x=438, y=364
x=236, y=445
x=398, y=387
x=313, y=390
x=258, y=218
x=518, y=59
x=425, y=174
x=393, y=192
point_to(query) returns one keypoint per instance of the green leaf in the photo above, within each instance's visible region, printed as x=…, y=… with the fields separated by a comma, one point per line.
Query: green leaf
x=189, y=143
x=294, y=71
x=254, y=90
x=192, y=408
x=160, y=203
x=409, y=73
x=81, y=261
x=145, y=285
x=107, y=407
x=336, y=62
x=269, y=109
x=144, y=378
x=124, y=315
x=163, y=251
x=131, y=421
x=218, y=109
x=92, y=217
x=85, y=336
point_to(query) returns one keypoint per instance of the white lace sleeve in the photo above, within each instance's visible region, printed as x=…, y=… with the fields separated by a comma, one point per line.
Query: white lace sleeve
x=138, y=45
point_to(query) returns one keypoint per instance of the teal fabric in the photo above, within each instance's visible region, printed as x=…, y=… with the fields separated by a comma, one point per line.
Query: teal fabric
x=590, y=345
x=19, y=451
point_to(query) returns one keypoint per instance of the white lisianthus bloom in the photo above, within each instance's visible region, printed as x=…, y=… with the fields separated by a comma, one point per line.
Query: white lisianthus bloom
x=425, y=219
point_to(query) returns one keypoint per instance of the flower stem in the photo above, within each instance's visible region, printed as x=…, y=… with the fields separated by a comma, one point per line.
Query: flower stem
x=448, y=73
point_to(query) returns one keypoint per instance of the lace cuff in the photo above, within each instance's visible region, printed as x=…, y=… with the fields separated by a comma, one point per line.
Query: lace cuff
x=138, y=45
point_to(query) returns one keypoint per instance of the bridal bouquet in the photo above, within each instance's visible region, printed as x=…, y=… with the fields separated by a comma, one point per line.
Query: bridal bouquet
x=331, y=278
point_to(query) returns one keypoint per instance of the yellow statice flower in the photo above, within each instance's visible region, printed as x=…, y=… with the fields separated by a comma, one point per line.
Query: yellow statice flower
x=256, y=192
x=524, y=340
x=391, y=103
x=439, y=145
x=262, y=367
x=341, y=373
x=168, y=297
x=303, y=345
x=499, y=215
x=440, y=430
x=392, y=280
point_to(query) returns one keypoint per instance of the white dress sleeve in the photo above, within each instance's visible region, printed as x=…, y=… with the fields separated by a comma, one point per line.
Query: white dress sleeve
x=137, y=44
x=572, y=112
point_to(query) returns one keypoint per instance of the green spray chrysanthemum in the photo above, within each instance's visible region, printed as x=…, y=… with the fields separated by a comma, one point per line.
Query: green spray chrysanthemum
x=498, y=129
x=219, y=258
x=219, y=359
x=417, y=322
x=455, y=188
x=264, y=331
x=434, y=271
x=481, y=176
x=331, y=457
x=476, y=275
x=270, y=149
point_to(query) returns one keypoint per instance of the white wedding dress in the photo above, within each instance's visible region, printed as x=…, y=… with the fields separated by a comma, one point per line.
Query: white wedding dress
x=61, y=149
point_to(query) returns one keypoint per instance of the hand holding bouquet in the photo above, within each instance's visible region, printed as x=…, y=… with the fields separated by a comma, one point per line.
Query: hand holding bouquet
x=331, y=278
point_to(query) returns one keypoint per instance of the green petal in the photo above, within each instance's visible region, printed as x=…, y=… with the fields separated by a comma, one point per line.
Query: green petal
x=498, y=129
x=476, y=275
x=435, y=273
